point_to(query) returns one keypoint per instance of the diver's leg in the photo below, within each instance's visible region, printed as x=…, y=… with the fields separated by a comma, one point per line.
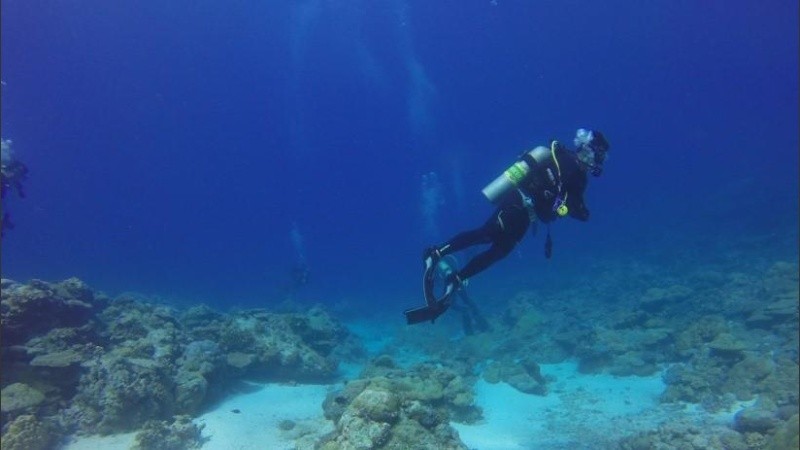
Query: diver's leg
x=485, y=259
x=432, y=255
x=508, y=229
x=477, y=236
x=482, y=235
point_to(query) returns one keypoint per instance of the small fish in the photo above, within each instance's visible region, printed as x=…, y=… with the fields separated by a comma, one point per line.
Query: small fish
x=236, y=411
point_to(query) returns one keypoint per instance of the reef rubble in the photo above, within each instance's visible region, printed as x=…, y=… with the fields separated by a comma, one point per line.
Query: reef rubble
x=76, y=361
x=722, y=341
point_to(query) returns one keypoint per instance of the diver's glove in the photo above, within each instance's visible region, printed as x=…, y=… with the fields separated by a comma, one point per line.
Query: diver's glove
x=581, y=213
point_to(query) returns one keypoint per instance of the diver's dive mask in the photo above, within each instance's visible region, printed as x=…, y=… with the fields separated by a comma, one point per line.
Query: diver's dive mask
x=592, y=149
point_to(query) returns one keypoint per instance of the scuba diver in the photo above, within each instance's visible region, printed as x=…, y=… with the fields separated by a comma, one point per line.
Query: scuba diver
x=298, y=278
x=546, y=183
x=13, y=173
x=300, y=275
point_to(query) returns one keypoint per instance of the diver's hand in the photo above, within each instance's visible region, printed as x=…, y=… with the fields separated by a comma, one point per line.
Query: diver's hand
x=581, y=214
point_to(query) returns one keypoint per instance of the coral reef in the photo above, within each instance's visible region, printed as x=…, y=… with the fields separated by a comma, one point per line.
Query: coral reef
x=759, y=430
x=34, y=308
x=181, y=434
x=719, y=334
x=19, y=397
x=786, y=436
x=391, y=408
x=524, y=375
x=264, y=345
x=77, y=361
x=685, y=436
x=27, y=432
x=119, y=394
x=759, y=418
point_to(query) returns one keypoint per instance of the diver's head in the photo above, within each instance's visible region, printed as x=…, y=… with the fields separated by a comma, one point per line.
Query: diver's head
x=591, y=149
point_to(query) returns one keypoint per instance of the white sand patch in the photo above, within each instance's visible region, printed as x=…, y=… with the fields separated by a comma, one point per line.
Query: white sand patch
x=581, y=411
x=255, y=426
x=113, y=442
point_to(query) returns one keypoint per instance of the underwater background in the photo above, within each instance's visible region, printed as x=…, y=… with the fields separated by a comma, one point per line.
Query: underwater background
x=196, y=152
x=173, y=147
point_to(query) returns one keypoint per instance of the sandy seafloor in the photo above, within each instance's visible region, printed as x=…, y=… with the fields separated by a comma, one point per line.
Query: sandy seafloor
x=596, y=411
x=580, y=412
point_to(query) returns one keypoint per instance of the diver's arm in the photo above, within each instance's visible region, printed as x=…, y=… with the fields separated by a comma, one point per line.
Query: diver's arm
x=579, y=211
x=575, y=203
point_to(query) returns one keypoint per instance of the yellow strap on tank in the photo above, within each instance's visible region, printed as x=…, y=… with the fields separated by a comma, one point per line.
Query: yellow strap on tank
x=553, y=146
x=553, y=154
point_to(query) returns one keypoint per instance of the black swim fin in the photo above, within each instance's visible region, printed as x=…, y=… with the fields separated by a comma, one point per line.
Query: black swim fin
x=426, y=313
x=433, y=308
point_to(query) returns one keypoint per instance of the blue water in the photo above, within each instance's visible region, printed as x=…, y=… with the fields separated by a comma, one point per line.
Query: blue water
x=197, y=150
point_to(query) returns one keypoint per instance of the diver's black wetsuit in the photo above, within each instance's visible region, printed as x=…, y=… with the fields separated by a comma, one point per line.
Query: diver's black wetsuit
x=509, y=222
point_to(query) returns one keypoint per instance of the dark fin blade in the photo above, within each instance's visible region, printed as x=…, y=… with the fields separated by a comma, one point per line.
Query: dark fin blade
x=422, y=314
x=427, y=313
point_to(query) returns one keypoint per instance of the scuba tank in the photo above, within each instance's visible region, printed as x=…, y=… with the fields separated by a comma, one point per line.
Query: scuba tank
x=512, y=176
